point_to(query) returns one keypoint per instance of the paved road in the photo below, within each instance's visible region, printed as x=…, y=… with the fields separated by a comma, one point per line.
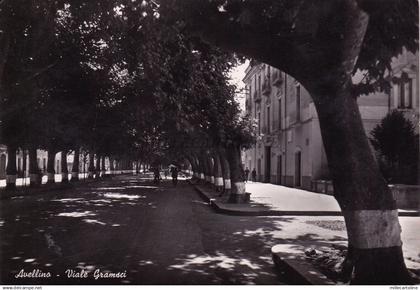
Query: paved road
x=129, y=227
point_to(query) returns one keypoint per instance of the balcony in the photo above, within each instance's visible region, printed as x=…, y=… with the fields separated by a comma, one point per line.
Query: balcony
x=257, y=97
x=266, y=87
x=277, y=79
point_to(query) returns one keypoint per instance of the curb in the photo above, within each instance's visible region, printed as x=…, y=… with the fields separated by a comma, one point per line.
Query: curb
x=220, y=208
x=293, y=267
x=297, y=270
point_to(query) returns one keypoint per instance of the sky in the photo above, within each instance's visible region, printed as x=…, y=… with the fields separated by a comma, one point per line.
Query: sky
x=237, y=74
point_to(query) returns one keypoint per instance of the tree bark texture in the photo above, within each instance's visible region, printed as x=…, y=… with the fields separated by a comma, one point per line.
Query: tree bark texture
x=98, y=166
x=34, y=172
x=103, y=169
x=91, y=168
x=202, y=167
x=224, y=164
x=64, y=167
x=11, y=171
x=50, y=166
x=367, y=203
x=210, y=166
x=76, y=164
x=191, y=160
x=237, y=194
x=217, y=172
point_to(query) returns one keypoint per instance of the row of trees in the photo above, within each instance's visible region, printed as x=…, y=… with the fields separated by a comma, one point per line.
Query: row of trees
x=322, y=44
x=136, y=77
x=115, y=79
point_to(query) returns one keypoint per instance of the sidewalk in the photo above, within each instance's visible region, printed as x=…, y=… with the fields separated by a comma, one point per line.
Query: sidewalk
x=315, y=221
x=275, y=200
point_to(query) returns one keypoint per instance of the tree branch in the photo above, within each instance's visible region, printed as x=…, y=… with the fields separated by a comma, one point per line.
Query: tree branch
x=277, y=51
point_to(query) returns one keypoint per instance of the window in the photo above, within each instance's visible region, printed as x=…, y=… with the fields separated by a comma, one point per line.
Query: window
x=268, y=120
x=405, y=88
x=297, y=103
x=279, y=114
x=259, y=84
x=259, y=123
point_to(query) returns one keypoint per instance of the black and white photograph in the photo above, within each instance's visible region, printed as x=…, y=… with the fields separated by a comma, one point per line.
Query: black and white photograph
x=209, y=142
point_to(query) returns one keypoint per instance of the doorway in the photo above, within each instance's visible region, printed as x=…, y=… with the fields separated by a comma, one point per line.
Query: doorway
x=298, y=169
x=258, y=169
x=279, y=161
x=267, y=171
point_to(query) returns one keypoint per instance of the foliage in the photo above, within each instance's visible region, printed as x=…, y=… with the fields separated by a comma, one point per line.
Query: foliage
x=301, y=30
x=114, y=78
x=396, y=145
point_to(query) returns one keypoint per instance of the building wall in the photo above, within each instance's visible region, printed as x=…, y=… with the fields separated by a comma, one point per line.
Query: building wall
x=293, y=125
x=287, y=131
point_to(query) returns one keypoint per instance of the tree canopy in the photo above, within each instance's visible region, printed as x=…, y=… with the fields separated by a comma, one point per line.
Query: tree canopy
x=111, y=77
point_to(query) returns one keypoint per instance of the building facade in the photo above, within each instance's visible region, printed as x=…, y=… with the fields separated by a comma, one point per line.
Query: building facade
x=289, y=149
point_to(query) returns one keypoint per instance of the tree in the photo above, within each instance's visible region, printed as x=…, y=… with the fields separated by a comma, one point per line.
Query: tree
x=321, y=44
x=396, y=145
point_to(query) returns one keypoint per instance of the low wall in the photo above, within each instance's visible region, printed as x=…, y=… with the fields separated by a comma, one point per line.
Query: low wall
x=322, y=186
x=407, y=196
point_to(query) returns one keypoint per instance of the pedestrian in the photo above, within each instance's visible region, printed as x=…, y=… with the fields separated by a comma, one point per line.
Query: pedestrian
x=156, y=174
x=246, y=174
x=174, y=172
x=254, y=175
x=166, y=173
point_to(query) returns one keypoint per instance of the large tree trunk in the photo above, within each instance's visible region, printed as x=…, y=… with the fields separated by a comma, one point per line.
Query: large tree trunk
x=367, y=203
x=50, y=166
x=98, y=166
x=196, y=173
x=24, y=165
x=210, y=169
x=136, y=165
x=237, y=194
x=64, y=167
x=76, y=164
x=91, y=168
x=34, y=172
x=202, y=168
x=11, y=171
x=103, y=170
x=217, y=172
x=193, y=166
x=227, y=185
x=206, y=170
x=111, y=165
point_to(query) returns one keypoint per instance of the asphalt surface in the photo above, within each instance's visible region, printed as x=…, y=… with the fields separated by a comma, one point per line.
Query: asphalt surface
x=130, y=228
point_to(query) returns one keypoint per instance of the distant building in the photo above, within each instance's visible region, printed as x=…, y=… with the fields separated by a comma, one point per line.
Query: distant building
x=289, y=149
